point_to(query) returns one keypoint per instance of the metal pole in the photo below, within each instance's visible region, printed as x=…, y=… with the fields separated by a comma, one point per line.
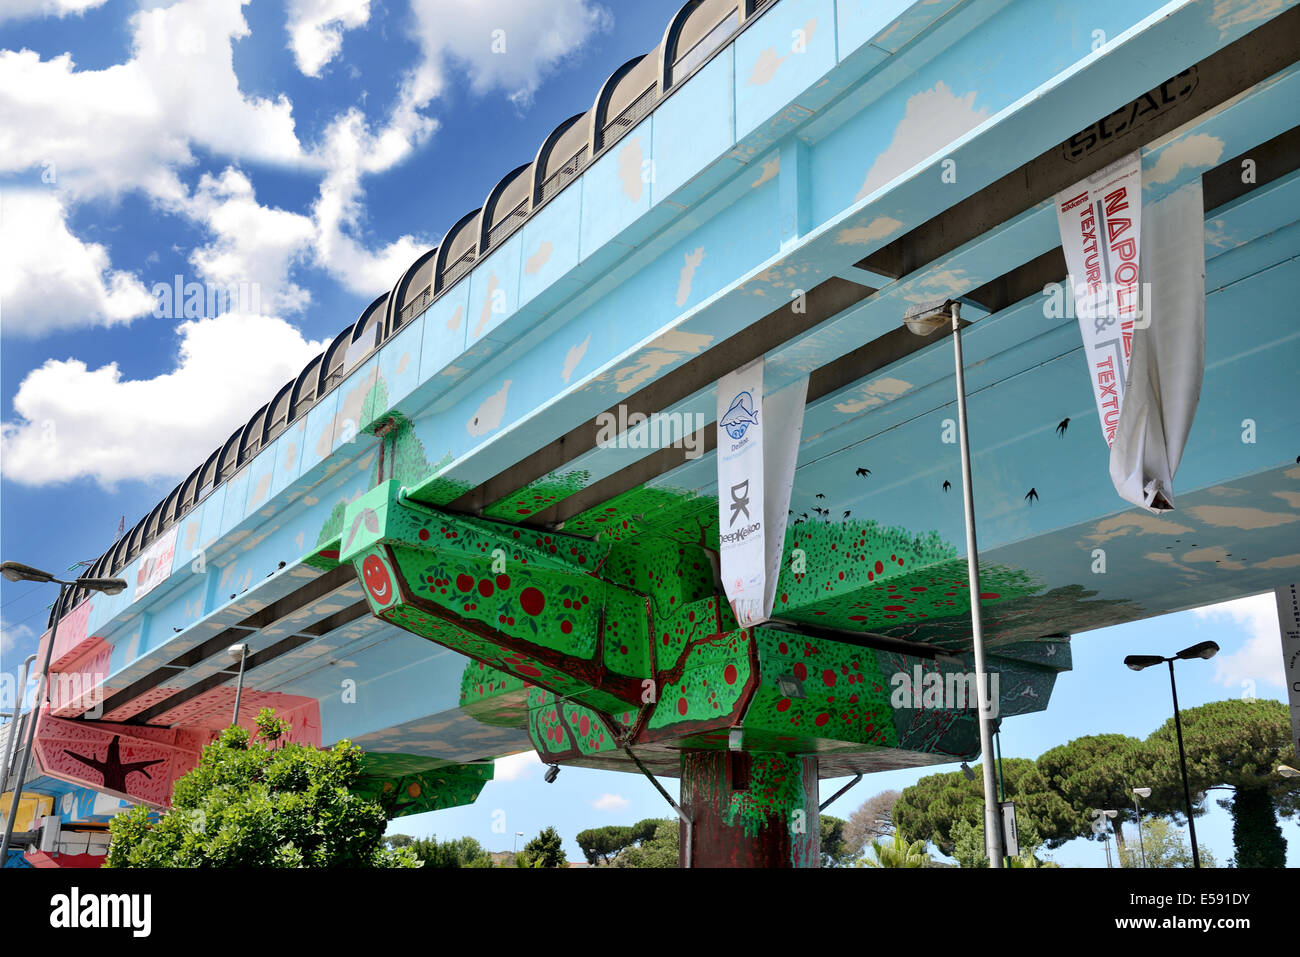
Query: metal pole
x=1182, y=763
x=239, y=683
x=1002, y=792
x=992, y=819
x=31, y=727
x=1137, y=815
x=834, y=797
x=14, y=732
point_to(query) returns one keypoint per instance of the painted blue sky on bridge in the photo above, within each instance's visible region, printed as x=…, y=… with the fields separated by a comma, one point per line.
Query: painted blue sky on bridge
x=315, y=148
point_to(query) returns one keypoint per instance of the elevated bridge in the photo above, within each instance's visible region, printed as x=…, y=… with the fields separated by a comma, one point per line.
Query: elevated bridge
x=454, y=537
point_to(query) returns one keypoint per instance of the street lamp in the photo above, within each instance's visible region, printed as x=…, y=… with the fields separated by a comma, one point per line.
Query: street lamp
x=17, y=572
x=1206, y=650
x=1137, y=814
x=923, y=320
x=239, y=653
x=1287, y=771
x=1105, y=838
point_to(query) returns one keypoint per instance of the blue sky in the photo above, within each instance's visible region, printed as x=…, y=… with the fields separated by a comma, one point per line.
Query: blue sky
x=221, y=141
x=314, y=148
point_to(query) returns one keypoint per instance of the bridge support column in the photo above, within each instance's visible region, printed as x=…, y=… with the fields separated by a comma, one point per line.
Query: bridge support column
x=750, y=809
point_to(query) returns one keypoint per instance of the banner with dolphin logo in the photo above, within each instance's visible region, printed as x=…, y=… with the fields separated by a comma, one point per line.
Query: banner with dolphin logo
x=758, y=444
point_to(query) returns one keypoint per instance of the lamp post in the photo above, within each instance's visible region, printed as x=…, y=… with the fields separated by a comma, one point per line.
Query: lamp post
x=924, y=320
x=17, y=572
x=1206, y=650
x=1105, y=838
x=1287, y=771
x=1137, y=816
x=240, y=653
x=13, y=723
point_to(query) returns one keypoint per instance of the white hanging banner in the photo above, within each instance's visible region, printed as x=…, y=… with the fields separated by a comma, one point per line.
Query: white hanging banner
x=758, y=444
x=156, y=563
x=1100, y=221
x=1168, y=359
x=1288, y=620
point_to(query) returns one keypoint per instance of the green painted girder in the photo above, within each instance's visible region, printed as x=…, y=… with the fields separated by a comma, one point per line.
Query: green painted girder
x=594, y=645
x=848, y=701
x=411, y=784
x=525, y=602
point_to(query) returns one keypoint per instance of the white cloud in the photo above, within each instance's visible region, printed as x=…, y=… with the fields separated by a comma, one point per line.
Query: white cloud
x=130, y=125
x=51, y=279
x=610, y=802
x=350, y=151
x=1260, y=658
x=74, y=421
x=23, y=9
x=316, y=29
x=11, y=637
x=503, y=45
x=254, y=244
x=516, y=767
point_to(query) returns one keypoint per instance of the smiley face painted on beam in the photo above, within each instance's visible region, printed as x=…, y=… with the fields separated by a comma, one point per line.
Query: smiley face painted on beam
x=378, y=582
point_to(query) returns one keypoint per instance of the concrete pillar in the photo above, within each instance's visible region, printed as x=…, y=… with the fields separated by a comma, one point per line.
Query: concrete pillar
x=750, y=809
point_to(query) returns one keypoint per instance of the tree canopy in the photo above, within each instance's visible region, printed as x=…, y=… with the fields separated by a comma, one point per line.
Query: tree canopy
x=457, y=852
x=261, y=804
x=600, y=845
x=929, y=809
x=1236, y=745
x=872, y=819
x=545, y=850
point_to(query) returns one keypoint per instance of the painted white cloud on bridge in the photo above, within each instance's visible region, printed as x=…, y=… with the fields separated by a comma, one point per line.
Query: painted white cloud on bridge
x=879, y=228
x=1236, y=516
x=933, y=119
x=573, y=357
x=489, y=414
x=1199, y=151
x=670, y=349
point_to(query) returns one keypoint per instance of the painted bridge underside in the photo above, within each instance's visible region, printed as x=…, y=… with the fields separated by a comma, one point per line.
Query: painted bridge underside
x=442, y=562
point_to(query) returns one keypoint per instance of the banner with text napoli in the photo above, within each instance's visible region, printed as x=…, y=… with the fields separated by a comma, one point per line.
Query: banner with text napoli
x=1100, y=220
x=758, y=444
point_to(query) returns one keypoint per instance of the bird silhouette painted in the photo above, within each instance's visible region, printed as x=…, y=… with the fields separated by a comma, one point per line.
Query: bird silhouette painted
x=846, y=512
x=820, y=495
x=946, y=485
x=1063, y=425
x=863, y=473
x=1031, y=496
x=113, y=769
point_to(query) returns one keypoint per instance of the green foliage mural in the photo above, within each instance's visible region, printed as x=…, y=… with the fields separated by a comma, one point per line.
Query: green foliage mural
x=411, y=783
x=539, y=495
